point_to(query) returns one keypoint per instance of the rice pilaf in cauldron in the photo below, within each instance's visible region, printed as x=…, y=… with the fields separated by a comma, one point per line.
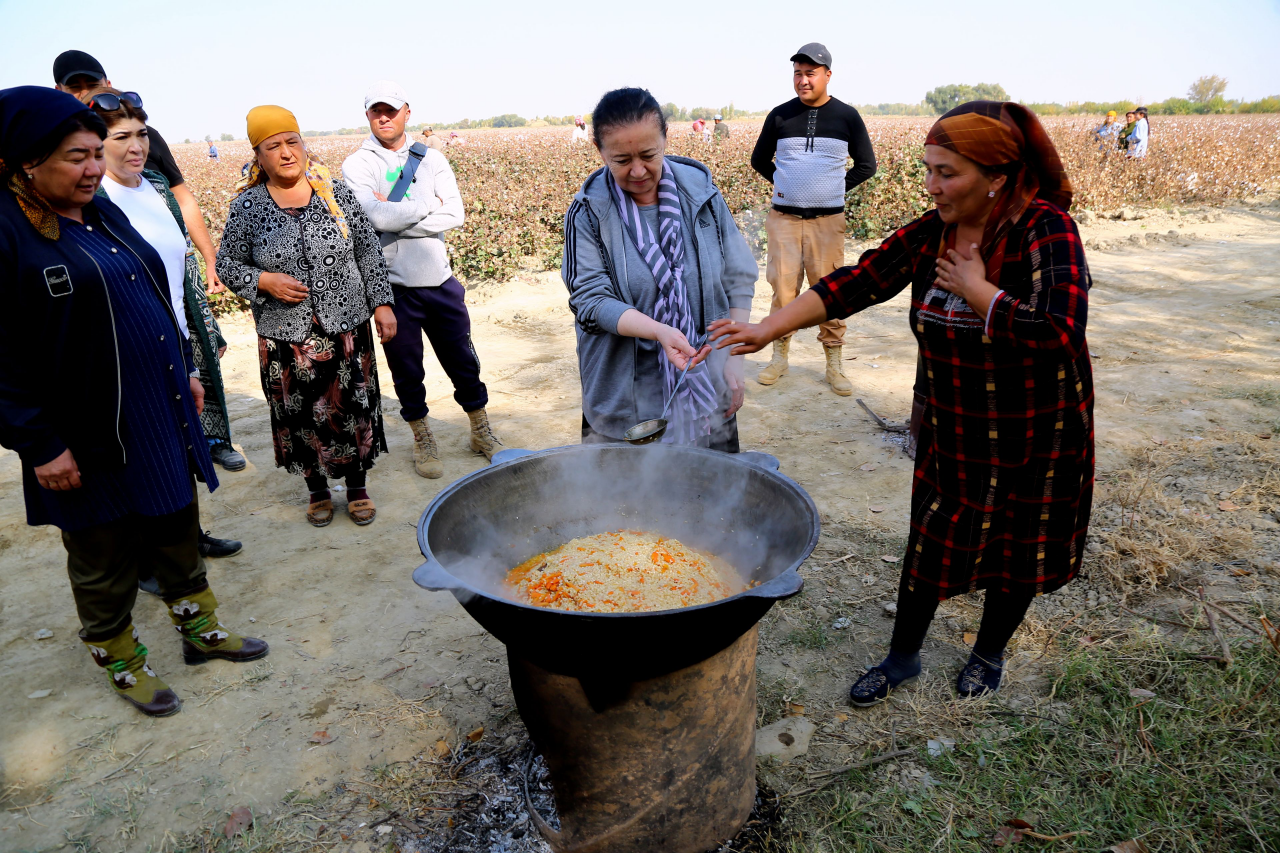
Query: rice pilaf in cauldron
x=625, y=571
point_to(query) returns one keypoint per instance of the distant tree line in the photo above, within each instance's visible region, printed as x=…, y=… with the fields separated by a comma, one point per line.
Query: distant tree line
x=1206, y=96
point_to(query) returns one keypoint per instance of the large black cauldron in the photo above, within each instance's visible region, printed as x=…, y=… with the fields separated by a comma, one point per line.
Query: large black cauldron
x=732, y=505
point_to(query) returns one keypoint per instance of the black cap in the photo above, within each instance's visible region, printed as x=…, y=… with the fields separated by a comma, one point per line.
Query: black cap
x=72, y=62
x=814, y=53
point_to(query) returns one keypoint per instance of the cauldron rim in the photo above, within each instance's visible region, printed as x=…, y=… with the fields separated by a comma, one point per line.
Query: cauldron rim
x=457, y=585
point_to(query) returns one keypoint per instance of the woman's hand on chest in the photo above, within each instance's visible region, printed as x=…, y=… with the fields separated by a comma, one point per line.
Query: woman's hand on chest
x=965, y=275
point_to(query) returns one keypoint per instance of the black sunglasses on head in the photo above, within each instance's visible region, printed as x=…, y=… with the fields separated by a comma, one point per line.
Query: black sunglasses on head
x=110, y=102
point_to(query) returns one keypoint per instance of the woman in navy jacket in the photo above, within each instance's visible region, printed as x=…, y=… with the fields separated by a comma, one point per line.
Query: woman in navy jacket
x=98, y=396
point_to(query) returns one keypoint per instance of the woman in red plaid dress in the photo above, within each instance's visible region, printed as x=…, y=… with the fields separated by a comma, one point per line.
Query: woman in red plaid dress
x=999, y=296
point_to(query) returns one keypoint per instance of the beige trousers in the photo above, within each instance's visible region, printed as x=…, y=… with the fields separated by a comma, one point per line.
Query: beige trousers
x=799, y=246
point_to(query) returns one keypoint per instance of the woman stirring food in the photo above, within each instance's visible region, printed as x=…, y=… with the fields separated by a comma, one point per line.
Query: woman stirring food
x=299, y=247
x=651, y=256
x=999, y=294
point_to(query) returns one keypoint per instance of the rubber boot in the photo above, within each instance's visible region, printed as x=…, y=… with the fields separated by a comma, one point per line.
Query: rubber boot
x=426, y=455
x=125, y=660
x=777, y=367
x=195, y=617
x=482, y=438
x=835, y=372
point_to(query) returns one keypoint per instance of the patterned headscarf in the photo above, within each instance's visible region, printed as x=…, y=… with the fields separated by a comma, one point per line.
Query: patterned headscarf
x=1007, y=136
x=663, y=253
x=266, y=121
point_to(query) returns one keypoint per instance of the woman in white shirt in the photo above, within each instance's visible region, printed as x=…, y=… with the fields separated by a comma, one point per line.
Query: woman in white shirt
x=153, y=212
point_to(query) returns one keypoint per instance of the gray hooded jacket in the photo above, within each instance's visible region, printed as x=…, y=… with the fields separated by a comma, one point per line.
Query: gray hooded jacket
x=605, y=278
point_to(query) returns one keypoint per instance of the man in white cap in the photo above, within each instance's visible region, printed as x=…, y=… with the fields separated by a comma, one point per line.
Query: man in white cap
x=722, y=128
x=410, y=195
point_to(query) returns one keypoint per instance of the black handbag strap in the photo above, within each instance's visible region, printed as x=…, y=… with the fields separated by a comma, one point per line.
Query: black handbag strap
x=416, y=152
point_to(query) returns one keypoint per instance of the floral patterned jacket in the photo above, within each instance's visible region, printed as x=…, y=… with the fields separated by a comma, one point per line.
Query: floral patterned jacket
x=347, y=276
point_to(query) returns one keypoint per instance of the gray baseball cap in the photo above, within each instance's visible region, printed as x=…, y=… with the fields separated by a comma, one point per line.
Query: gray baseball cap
x=814, y=53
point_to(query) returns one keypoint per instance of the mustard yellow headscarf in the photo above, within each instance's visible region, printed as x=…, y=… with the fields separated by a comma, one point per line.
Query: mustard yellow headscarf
x=266, y=121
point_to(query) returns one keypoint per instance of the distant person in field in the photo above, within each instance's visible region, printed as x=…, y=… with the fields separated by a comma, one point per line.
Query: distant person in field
x=76, y=72
x=721, y=128
x=410, y=195
x=213, y=151
x=999, y=287
x=802, y=150
x=646, y=276
x=299, y=247
x=697, y=126
x=98, y=398
x=455, y=139
x=433, y=140
x=146, y=199
x=1108, y=133
x=1140, y=135
x=1130, y=119
x=579, y=130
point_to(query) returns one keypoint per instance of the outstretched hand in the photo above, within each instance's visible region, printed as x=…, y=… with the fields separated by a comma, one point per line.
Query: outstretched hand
x=743, y=337
x=678, y=349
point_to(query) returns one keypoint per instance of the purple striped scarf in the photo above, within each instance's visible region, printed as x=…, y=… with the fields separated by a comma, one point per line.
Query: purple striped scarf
x=690, y=413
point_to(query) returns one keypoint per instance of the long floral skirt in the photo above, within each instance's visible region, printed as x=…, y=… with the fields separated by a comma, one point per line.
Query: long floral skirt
x=326, y=410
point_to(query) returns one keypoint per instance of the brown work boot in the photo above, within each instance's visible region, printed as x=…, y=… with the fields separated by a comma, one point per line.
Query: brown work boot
x=125, y=660
x=426, y=455
x=482, y=438
x=777, y=367
x=835, y=372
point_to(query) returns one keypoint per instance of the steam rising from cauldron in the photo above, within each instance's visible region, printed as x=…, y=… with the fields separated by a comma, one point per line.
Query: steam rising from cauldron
x=489, y=527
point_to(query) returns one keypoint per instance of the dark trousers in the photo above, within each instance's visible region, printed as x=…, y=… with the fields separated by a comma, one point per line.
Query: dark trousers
x=104, y=563
x=1002, y=613
x=440, y=312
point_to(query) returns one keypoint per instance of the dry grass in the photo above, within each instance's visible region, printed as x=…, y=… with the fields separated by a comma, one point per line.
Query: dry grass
x=1150, y=533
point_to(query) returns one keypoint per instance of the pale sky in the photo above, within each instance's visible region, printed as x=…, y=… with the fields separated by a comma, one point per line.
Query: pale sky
x=199, y=67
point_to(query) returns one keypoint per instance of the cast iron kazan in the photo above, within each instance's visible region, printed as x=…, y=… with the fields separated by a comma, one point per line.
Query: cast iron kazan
x=736, y=506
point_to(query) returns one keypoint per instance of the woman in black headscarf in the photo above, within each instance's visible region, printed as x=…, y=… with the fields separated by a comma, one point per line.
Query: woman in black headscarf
x=99, y=395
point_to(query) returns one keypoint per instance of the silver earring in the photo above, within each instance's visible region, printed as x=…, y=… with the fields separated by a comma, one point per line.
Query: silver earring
x=991, y=194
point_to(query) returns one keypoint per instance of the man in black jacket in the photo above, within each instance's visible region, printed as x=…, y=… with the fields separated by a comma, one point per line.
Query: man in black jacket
x=803, y=150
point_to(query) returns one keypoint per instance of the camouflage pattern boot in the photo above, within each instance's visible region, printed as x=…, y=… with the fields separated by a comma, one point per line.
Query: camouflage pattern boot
x=125, y=660
x=204, y=638
x=482, y=438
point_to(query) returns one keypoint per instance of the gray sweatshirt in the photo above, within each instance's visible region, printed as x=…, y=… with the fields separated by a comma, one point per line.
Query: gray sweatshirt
x=621, y=383
x=412, y=229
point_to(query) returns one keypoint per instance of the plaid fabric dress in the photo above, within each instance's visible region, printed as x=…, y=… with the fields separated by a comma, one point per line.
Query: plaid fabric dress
x=1004, y=473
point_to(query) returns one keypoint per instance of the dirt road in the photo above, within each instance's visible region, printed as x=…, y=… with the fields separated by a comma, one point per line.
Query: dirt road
x=1185, y=331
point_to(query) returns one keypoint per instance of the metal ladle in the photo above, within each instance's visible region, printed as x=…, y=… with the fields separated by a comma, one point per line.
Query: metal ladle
x=647, y=432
